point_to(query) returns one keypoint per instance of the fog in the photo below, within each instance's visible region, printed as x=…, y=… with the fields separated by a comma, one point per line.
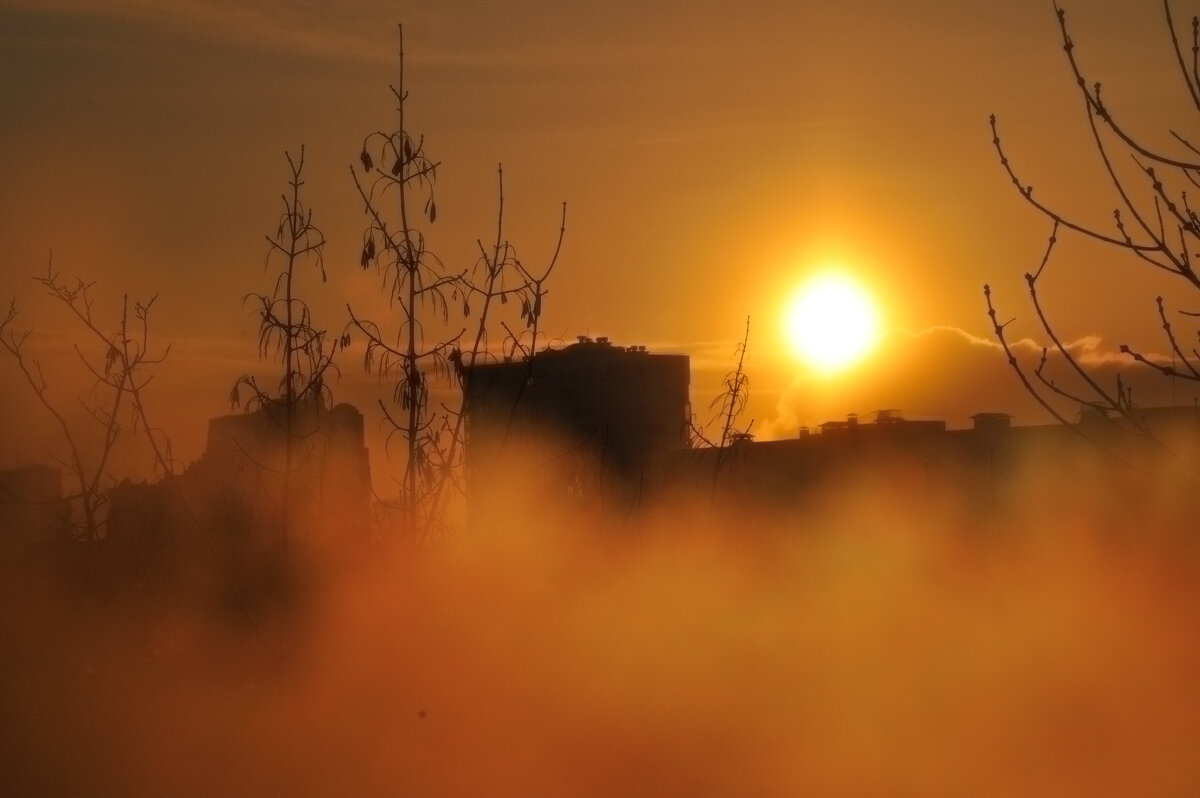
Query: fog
x=867, y=639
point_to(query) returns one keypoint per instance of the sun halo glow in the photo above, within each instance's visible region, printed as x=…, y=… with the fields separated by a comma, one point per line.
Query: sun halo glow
x=831, y=322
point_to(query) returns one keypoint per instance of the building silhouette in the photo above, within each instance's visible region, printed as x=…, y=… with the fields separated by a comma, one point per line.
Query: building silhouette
x=601, y=421
x=33, y=510
x=605, y=414
x=234, y=493
x=979, y=465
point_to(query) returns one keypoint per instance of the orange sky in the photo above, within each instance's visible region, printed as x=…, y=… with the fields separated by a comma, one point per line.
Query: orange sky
x=709, y=159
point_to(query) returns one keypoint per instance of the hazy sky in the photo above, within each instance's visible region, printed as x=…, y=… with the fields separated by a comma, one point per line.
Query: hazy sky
x=710, y=158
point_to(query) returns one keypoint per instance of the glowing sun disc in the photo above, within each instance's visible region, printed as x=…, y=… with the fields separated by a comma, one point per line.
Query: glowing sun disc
x=831, y=323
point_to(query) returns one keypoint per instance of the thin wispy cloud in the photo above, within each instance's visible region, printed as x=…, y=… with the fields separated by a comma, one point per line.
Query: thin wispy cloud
x=364, y=30
x=949, y=373
x=303, y=27
x=1088, y=350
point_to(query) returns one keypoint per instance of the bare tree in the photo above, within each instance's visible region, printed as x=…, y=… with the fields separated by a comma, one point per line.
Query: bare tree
x=497, y=276
x=395, y=166
x=726, y=407
x=119, y=377
x=732, y=401
x=435, y=306
x=1153, y=222
x=287, y=333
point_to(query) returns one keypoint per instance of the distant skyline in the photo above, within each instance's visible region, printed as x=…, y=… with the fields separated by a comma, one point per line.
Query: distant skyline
x=710, y=159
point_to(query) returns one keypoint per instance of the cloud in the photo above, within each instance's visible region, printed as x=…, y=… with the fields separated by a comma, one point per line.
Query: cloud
x=462, y=35
x=345, y=30
x=949, y=373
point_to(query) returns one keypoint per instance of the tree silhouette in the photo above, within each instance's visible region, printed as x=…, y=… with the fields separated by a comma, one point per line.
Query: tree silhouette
x=497, y=276
x=726, y=407
x=119, y=376
x=395, y=166
x=732, y=401
x=434, y=306
x=286, y=332
x=1156, y=224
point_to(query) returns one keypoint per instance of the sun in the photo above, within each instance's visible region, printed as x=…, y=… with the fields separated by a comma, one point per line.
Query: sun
x=831, y=322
